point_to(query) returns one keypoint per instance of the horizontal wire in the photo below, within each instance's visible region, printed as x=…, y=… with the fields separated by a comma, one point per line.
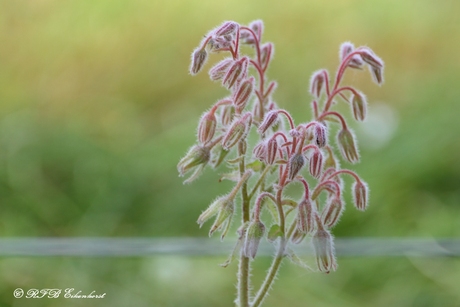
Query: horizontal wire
x=142, y=247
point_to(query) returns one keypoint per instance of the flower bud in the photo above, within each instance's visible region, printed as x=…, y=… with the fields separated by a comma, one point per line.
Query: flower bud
x=226, y=115
x=347, y=146
x=224, y=216
x=272, y=150
x=269, y=120
x=305, y=217
x=324, y=250
x=243, y=93
x=260, y=151
x=295, y=164
x=345, y=49
x=207, y=127
x=297, y=236
x=199, y=57
x=317, y=82
x=266, y=54
x=359, y=106
x=316, y=163
x=227, y=28
x=360, y=195
x=197, y=156
x=212, y=210
x=320, y=134
x=236, y=71
x=254, y=233
x=370, y=58
x=218, y=71
x=258, y=27
x=332, y=212
x=220, y=43
x=377, y=74
x=237, y=131
x=330, y=186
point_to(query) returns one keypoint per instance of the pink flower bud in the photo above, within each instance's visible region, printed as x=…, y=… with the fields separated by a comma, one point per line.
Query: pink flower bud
x=347, y=145
x=345, y=49
x=305, y=216
x=324, y=250
x=316, y=163
x=220, y=43
x=244, y=92
x=317, y=82
x=236, y=71
x=272, y=150
x=295, y=164
x=260, y=151
x=218, y=71
x=370, y=58
x=332, y=212
x=360, y=195
x=320, y=134
x=266, y=53
x=359, y=106
x=258, y=27
x=254, y=233
x=297, y=236
x=226, y=115
x=377, y=74
x=269, y=120
x=227, y=28
x=237, y=131
x=207, y=127
x=199, y=57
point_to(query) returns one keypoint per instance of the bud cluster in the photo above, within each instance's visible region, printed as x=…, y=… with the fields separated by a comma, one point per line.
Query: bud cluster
x=285, y=153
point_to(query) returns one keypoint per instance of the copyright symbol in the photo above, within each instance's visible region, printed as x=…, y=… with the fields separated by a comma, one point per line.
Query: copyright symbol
x=18, y=293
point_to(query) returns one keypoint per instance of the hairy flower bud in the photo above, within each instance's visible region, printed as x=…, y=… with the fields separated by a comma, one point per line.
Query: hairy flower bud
x=236, y=71
x=360, y=195
x=260, y=151
x=212, y=210
x=377, y=74
x=258, y=27
x=269, y=120
x=359, y=106
x=324, y=249
x=207, y=127
x=320, y=134
x=224, y=217
x=237, y=131
x=295, y=164
x=243, y=93
x=305, y=216
x=332, y=212
x=218, y=71
x=272, y=150
x=226, y=115
x=199, y=57
x=345, y=49
x=227, y=28
x=266, y=54
x=197, y=157
x=254, y=233
x=316, y=163
x=370, y=58
x=347, y=145
x=317, y=82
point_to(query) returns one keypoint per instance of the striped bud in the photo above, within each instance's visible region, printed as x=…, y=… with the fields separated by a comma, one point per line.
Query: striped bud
x=295, y=164
x=199, y=57
x=332, y=212
x=370, y=58
x=196, y=156
x=269, y=120
x=324, y=249
x=207, y=127
x=345, y=49
x=305, y=221
x=254, y=233
x=272, y=150
x=316, y=163
x=236, y=71
x=218, y=71
x=320, y=134
x=377, y=74
x=243, y=93
x=360, y=195
x=359, y=106
x=317, y=82
x=226, y=115
x=237, y=131
x=347, y=145
x=227, y=28
x=266, y=54
x=260, y=151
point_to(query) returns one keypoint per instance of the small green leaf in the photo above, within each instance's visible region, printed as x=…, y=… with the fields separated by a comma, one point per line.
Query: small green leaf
x=296, y=260
x=274, y=233
x=256, y=165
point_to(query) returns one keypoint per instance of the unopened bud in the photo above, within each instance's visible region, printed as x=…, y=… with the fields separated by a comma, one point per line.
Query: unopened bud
x=254, y=233
x=197, y=156
x=269, y=120
x=295, y=164
x=237, y=131
x=359, y=106
x=345, y=49
x=207, y=127
x=320, y=133
x=370, y=58
x=227, y=28
x=260, y=151
x=332, y=212
x=360, y=195
x=347, y=145
x=377, y=74
x=220, y=43
x=212, y=210
x=266, y=54
x=199, y=57
x=272, y=150
x=317, y=82
x=218, y=71
x=226, y=115
x=243, y=93
x=297, y=236
x=236, y=71
x=324, y=250
x=258, y=27
x=305, y=216
x=316, y=163
x=227, y=206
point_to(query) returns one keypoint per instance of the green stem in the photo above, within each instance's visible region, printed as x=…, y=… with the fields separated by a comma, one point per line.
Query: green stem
x=259, y=181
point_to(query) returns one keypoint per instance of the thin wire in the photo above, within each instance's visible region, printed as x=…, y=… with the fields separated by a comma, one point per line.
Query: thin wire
x=143, y=247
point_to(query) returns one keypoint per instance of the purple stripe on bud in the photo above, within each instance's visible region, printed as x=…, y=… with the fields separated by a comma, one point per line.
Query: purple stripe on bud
x=269, y=120
x=360, y=195
x=359, y=106
x=332, y=212
x=244, y=92
x=237, y=131
x=218, y=71
x=207, y=127
x=295, y=164
x=347, y=145
x=316, y=163
x=199, y=57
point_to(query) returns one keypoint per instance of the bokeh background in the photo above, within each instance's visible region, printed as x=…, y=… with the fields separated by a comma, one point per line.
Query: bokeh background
x=97, y=107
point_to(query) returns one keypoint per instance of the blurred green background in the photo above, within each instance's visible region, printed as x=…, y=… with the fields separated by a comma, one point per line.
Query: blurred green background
x=97, y=107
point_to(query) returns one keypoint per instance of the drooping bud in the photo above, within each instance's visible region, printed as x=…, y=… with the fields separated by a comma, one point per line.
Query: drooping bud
x=260, y=151
x=207, y=127
x=347, y=145
x=370, y=58
x=377, y=74
x=295, y=164
x=316, y=163
x=324, y=249
x=218, y=71
x=297, y=236
x=360, y=195
x=345, y=49
x=305, y=216
x=243, y=93
x=227, y=28
x=317, y=82
x=359, y=106
x=196, y=158
x=269, y=120
x=220, y=43
x=330, y=186
x=199, y=57
x=226, y=116
x=266, y=54
x=237, y=131
x=258, y=27
x=332, y=212
x=224, y=217
x=320, y=134
x=272, y=150
x=212, y=210
x=236, y=71
x=254, y=233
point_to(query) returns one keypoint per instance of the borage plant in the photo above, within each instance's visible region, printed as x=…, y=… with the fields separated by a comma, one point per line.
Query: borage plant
x=282, y=156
